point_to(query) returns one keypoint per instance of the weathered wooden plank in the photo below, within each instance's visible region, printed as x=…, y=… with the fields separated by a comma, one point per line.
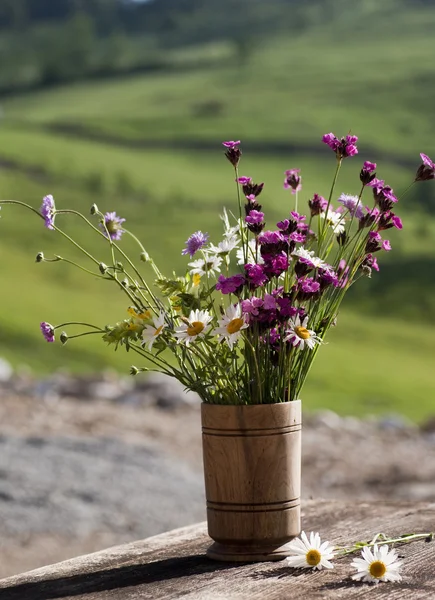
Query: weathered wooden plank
x=174, y=565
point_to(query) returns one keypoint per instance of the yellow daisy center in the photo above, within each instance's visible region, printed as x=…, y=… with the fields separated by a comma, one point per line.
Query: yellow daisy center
x=235, y=325
x=377, y=569
x=195, y=328
x=313, y=557
x=158, y=331
x=302, y=332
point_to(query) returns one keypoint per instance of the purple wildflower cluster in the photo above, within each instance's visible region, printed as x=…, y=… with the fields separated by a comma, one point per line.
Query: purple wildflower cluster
x=344, y=147
x=233, y=152
x=47, y=331
x=254, y=218
x=195, y=242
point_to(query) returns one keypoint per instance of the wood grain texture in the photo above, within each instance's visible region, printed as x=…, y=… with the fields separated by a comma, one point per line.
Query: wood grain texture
x=252, y=470
x=174, y=565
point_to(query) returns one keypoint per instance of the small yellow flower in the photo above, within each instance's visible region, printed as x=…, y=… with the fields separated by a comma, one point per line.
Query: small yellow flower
x=143, y=315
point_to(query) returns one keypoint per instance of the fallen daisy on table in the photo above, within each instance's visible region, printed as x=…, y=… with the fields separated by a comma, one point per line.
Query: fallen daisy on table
x=376, y=566
x=310, y=554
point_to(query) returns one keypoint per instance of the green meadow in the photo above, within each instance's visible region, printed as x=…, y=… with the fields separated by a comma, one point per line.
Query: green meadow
x=149, y=147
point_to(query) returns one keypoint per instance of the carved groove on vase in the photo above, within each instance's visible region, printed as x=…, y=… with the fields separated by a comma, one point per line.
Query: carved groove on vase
x=242, y=508
x=251, y=432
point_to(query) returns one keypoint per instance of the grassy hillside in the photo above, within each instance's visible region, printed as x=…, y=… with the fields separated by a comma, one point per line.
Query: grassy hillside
x=149, y=148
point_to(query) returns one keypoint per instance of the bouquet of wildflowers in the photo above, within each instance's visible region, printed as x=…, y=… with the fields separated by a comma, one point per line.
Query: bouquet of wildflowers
x=244, y=323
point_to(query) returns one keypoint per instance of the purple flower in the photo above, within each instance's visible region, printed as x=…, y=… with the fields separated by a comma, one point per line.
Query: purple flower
x=397, y=221
x=317, y=205
x=275, y=265
x=231, y=144
x=369, y=166
x=386, y=245
x=307, y=288
x=383, y=194
x=112, y=225
x=367, y=173
x=426, y=171
x=255, y=275
x=48, y=211
x=389, y=219
x=47, y=331
x=343, y=148
x=230, y=285
x=255, y=217
x=271, y=237
x=353, y=205
x=252, y=306
x=293, y=180
x=244, y=180
x=251, y=198
x=196, y=241
x=327, y=277
x=233, y=152
x=371, y=262
x=300, y=238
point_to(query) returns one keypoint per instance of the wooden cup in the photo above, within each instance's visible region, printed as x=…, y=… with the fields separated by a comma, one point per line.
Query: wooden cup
x=252, y=470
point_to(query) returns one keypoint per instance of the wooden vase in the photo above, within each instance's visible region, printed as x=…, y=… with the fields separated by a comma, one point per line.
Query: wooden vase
x=252, y=470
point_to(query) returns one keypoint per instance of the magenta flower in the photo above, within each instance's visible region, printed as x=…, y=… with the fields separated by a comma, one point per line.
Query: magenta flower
x=386, y=245
x=387, y=220
x=426, y=171
x=48, y=211
x=275, y=265
x=252, y=306
x=244, y=180
x=307, y=288
x=47, y=331
x=195, y=242
x=112, y=226
x=343, y=148
x=255, y=217
x=371, y=262
x=293, y=180
x=255, y=275
x=367, y=173
x=317, y=205
x=233, y=152
x=383, y=195
x=231, y=144
x=230, y=285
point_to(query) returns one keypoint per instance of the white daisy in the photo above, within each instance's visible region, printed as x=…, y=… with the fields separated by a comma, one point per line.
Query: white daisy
x=310, y=554
x=230, y=231
x=151, y=332
x=224, y=247
x=231, y=325
x=205, y=266
x=194, y=326
x=309, y=255
x=379, y=565
x=251, y=255
x=298, y=334
x=334, y=220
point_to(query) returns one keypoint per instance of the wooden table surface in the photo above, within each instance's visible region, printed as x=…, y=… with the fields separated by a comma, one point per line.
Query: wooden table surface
x=174, y=565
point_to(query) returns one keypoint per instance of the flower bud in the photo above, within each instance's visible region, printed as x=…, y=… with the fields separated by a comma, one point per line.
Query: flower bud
x=134, y=370
x=39, y=257
x=63, y=337
x=366, y=270
x=145, y=257
x=120, y=266
x=94, y=209
x=124, y=283
x=103, y=268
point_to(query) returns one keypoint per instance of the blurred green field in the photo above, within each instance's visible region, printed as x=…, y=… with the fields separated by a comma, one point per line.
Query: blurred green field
x=290, y=92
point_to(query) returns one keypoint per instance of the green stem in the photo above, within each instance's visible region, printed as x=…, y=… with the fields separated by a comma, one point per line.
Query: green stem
x=403, y=539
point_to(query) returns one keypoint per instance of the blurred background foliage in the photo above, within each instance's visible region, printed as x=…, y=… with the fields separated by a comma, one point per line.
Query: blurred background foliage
x=125, y=103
